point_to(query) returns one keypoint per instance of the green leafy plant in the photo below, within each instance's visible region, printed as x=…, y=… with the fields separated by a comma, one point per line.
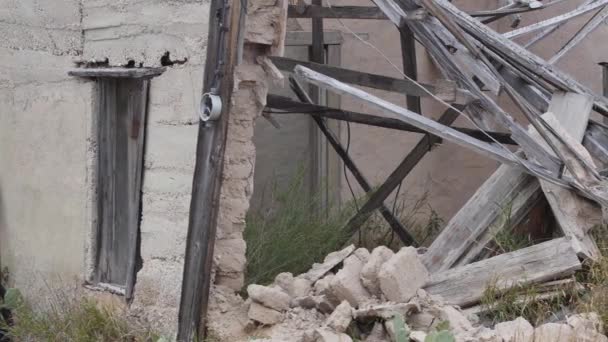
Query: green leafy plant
x=402, y=332
x=12, y=299
x=440, y=336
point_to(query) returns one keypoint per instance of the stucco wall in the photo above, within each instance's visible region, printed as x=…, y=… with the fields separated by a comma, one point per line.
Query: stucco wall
x=45, y=119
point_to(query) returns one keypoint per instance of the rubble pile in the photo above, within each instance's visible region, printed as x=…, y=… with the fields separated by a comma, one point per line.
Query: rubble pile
x=357, y=292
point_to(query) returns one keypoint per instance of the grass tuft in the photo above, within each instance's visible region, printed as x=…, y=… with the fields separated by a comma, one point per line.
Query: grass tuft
x=298, y=232
x=73, y=319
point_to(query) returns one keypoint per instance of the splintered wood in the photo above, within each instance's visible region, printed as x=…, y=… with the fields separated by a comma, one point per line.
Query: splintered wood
x=560, y=153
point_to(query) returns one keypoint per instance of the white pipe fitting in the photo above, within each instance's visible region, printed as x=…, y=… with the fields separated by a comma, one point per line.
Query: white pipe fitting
x=211, y=107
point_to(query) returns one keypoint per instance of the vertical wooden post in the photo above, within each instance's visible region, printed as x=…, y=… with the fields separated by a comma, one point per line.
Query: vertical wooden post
x=604, y=66
x=408, y=52
x=317, y=55
x=225, y=25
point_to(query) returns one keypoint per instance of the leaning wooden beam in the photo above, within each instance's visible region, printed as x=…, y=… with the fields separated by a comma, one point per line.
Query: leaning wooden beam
x=547, y=31
x=377, y=198
x=295, y=107
x=479, y=220
x=589, y=27
x=448, y=93
x=210, y=147
x=500, y=154
x=410, y=68
x=520, y=56
x=334, y=141
x=485, y=108
x=556, y=20
x=464, y=286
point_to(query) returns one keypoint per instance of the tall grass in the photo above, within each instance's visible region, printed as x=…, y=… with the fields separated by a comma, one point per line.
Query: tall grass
x=299, y=231
x=70, y=316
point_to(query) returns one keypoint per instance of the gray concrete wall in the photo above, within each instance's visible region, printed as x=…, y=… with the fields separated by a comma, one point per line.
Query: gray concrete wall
x=45, y=125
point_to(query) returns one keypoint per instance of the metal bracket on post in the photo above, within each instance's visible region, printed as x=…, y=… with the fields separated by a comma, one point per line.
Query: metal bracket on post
x=211, y=107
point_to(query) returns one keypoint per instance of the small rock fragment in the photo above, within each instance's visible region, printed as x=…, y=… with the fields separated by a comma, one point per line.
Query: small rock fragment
x=314, y=302
x=264, y=315
x=322, y=285
x=588, y=320
x=378, y=334
x=457, y=320
x=324, y=335
x=369, y=272
x=331, y=260
x=340, y=319
x=417, y=336
x=362, y=254
x=423, y=321
x=517, y=330
x=553, y=332
x=285, y=281
x=270, y=297
x=587, y=327
x=346, y=285
x=300, y=287
x=386, y=311
x=402, y=275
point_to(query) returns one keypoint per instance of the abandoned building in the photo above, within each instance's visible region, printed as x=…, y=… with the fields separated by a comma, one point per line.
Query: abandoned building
x=101, y=102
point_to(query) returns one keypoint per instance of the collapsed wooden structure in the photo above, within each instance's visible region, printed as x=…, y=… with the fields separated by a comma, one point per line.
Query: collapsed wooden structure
x=559, y=155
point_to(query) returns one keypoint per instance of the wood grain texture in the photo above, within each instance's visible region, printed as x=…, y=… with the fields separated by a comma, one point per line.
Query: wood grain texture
x=122, y=113
x=371, y=80
x=465, y=285
x=296, y=107
x=117, y=72
x=575, y=215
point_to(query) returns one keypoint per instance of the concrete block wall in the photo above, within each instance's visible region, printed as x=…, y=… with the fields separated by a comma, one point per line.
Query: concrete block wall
x=45, y=126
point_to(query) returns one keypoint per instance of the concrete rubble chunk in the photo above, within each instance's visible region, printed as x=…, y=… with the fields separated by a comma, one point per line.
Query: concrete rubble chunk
x=271, y=297
x=362, y=253
x=340, y=319
x=481, y=334
x=264, y=315
x=587, y=320
x=553, y=332
x=300, y=287
x=322, y=285
x=369, y=272
x=402, y=275
x=285, y=281
x=517, y=330
x=418, y=336
x=346, y=285
x=386, y=311
x=331, y=260
x=459, y=323
x=378, y=334
x=423, y=321
x=324, y=335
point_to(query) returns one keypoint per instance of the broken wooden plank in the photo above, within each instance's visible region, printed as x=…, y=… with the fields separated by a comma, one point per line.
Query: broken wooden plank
x=118, y=72
x=589, y=27
x=448, y=94
x=520, y=56
x=574, y=214
x=596, y=142
x=473, y=227
x=465, y=285
x=410, y=69
x=497, y=153
x=295, y=107
x=556, y=20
